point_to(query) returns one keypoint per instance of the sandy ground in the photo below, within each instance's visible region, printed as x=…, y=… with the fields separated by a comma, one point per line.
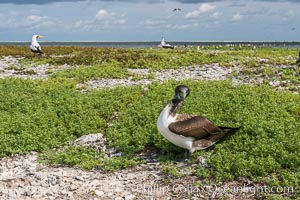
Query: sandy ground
x=22, y=177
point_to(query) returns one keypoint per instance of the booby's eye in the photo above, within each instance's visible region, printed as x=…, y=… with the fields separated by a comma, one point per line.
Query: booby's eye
x=181, y=93
x=187, y=93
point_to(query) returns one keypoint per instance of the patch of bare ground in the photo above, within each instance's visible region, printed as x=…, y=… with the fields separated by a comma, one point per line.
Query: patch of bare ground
x=205, y=72
x=11, y=67
x=23, y=177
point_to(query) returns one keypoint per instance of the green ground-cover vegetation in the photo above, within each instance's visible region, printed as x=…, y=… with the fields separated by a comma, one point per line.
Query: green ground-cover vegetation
x=85, y=63
x=274, y=64
x=38, y=115
x=44, y=115
x=155, y=58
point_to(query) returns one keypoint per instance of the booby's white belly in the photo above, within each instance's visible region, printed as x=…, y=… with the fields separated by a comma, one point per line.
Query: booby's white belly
x=163, y=122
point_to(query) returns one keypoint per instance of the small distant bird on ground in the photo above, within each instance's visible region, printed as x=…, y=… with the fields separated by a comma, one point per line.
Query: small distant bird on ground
x=163, y=44
x=35, y=46
x=176, y=9
x=188, y=131
x=298, y=61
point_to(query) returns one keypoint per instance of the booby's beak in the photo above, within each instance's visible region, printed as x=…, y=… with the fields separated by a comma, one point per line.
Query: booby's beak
x=181, y=92
x=178, y=97
x=40, y=36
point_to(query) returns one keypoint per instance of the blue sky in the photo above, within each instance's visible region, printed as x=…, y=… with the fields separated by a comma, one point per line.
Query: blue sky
x=148, y=20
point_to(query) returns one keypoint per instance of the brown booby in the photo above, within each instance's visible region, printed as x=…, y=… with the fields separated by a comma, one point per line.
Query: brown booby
x=191, y=132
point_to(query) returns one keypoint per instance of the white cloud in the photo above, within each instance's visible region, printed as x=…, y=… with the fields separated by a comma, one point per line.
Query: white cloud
x=119, y=21
x=236, y=17
x=35, y=18
x=32, y=22
x=217, y=22
x=13, y=20
x=109, y=18
x=203, y=8
x=152, y=22
x=83, y=24
x=104, y=14
x=216, y=15
x=182, y=26
x=103, y=18
x=206, y=7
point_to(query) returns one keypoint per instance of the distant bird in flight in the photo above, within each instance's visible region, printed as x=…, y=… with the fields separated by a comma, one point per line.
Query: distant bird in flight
x=176, y=9
x=191, y=132
x=35, y=46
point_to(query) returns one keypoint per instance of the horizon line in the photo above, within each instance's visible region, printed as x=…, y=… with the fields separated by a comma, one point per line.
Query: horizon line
x=137, y=41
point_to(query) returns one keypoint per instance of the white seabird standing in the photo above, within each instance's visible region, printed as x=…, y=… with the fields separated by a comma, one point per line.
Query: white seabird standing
x=35, y=46
x=163, y=44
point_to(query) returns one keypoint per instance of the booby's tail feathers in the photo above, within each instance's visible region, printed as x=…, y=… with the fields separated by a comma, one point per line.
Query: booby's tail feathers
x=39, y=50
x=230, y=129
x=227, y=131
x=211, y=140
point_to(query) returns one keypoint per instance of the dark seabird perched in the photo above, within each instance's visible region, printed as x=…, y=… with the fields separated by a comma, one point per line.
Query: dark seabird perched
x=298, y=61
x=35, y=46
x=188, y=131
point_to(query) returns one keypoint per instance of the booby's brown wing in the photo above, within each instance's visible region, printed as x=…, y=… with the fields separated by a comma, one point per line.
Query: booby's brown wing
x=194, y=126
x=207, y=142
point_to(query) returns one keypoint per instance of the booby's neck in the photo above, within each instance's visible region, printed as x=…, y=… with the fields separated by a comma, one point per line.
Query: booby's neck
x=167, y=117
x=173, y=108
x=163, y=41
x=34, y=40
